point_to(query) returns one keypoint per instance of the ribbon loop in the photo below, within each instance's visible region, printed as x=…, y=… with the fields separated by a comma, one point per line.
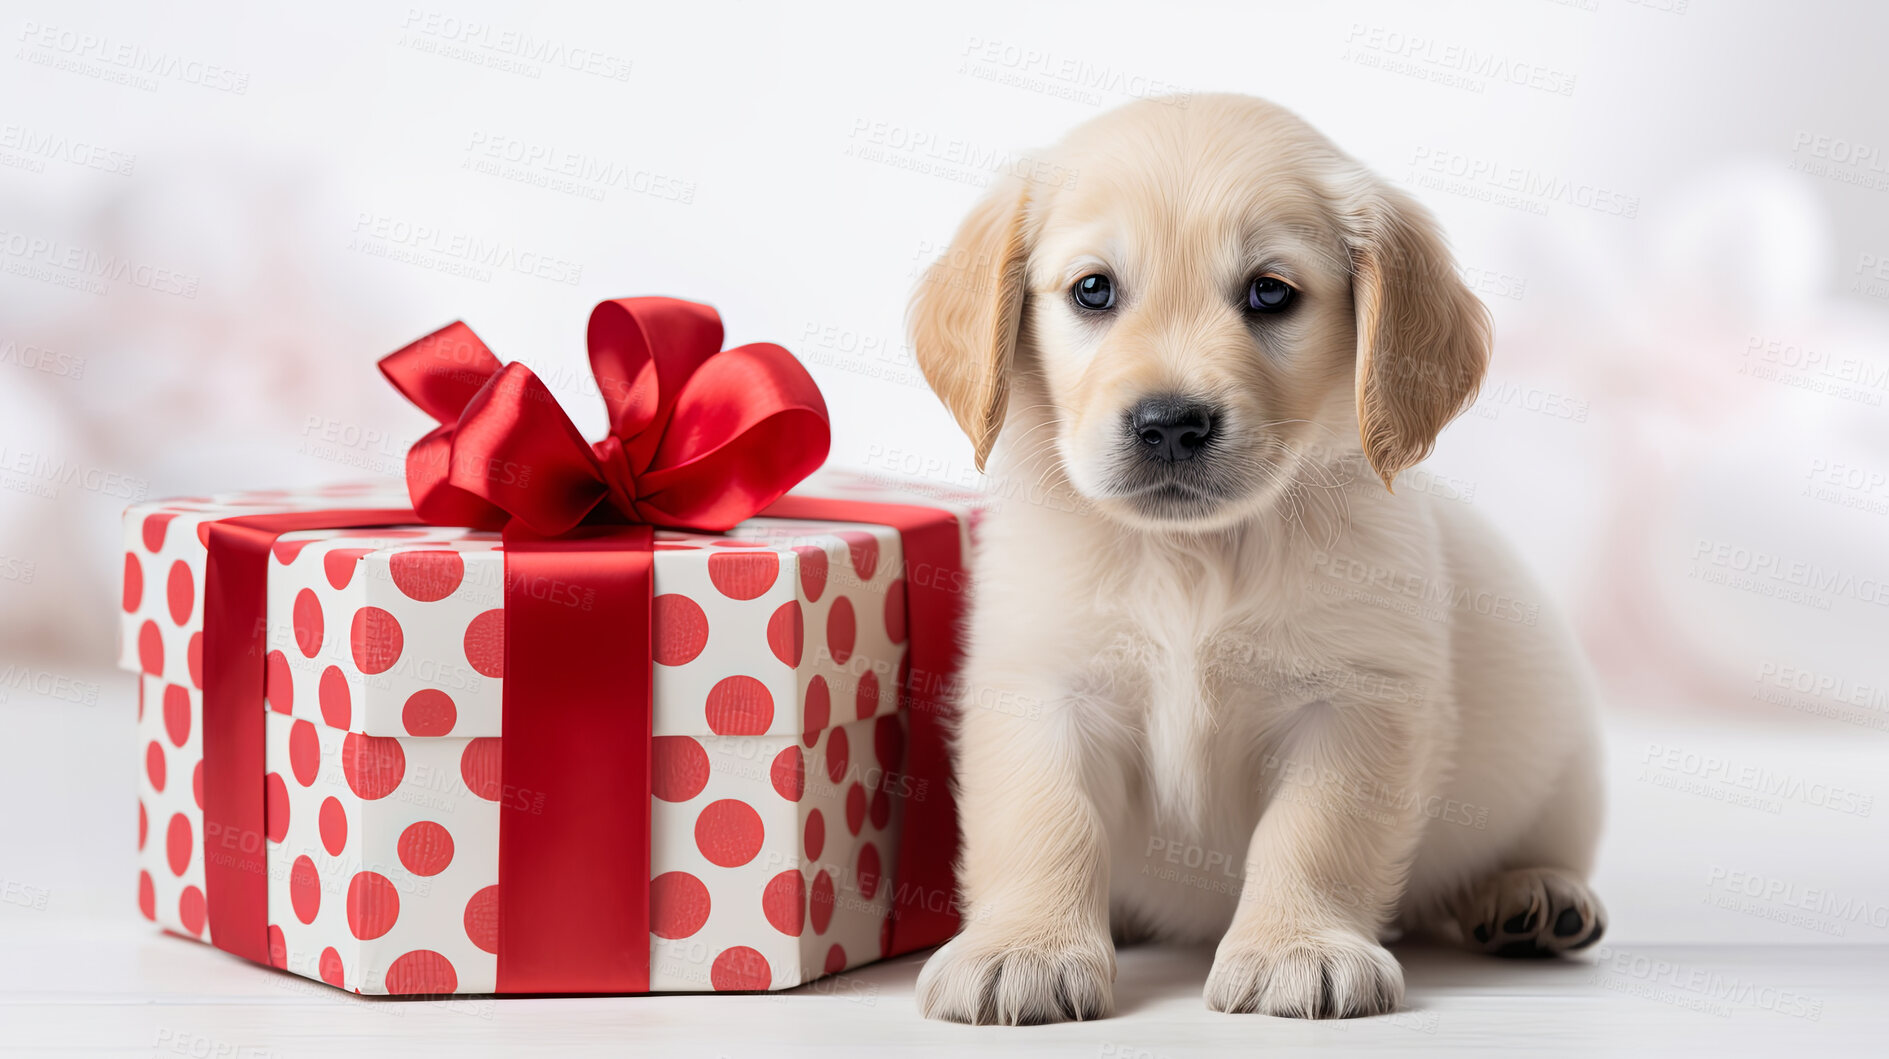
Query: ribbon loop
x=699, y=438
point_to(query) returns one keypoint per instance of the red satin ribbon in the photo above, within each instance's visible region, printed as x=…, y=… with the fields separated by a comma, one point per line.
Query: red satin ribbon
x=924, y=893
x=235, y=644
x=698, y=439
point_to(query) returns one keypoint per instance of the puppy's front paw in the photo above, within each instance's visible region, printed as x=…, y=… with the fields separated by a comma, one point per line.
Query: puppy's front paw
x=1320, y=976
x=1017, y=982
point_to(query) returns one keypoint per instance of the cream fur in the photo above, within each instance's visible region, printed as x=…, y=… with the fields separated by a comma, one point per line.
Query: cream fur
x=1295, y=720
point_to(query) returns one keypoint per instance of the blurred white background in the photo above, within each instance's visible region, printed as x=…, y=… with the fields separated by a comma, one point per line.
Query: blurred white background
x=213, y=220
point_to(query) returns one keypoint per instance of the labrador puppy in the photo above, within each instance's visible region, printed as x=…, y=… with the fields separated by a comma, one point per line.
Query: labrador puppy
x=1229, y=674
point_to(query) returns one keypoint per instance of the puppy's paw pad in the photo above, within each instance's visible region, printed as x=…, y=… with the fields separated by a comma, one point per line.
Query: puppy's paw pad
x=1312, y=978
x=990, y=982
x=1531, y=912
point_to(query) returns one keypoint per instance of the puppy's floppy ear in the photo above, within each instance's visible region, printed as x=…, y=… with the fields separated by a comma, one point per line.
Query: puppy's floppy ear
x=1423, y=338
x=967, y=310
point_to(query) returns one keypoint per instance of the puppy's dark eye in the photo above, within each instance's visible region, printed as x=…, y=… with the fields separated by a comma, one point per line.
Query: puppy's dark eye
x=1268, y=294
x=1094, y=291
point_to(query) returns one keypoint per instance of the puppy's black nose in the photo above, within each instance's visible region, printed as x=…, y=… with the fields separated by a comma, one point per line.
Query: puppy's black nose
x=1171, y=429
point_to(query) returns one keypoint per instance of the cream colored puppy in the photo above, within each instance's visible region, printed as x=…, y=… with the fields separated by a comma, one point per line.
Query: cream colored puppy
x=1222, y=682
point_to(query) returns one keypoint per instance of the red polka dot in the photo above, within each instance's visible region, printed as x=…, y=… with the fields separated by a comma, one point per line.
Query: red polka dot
x=485, y=643
x=176, y=714
x=304, y=889
x=421, y=972
x=427, y=576
x=881, y=810
x=855, y=807
x=784, y=902
x=150, y=649
x=789, y=774
x=740, y=968
x=154, y=527
x=812, y=572
x=190, y=910
x=743, y=575
x=373, y=905
x=374, y=765
x=729, y=833
x=481, y=919
x=178, y=844
x=331, y=970
x=739, y=705
x=286, y=550
x=180, y=592
x=835, y=960
x=334, y=826
x=308, y=625
x=304, y=752
x=821, y=906
x=147, y=895
x=895, y=612
x=339, y=565
x=863, y=547
x=193, y=657
x=840, y=630
x=278, y=947
x=866, y=698
x=678, y=768
x=479, y=767
x=680, y=629
x=786, y=633
x=836, y=755
x=678, y=905
x=275, y=807
x=868, y=871
x=144, y=824
x=818, y=712
x=154, y=764
x=425, y=848
x=336, y=708
x=816, y=834
x=888, y=742
x=278, y=682
x=134, y=583
x=196, y=783
x=429, y=711
x=375, y=639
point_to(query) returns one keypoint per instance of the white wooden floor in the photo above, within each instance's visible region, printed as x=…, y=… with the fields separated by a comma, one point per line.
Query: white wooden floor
x=1691, y=965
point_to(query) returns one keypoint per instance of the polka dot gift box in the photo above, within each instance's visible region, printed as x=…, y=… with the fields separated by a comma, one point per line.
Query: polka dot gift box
x=340, y=777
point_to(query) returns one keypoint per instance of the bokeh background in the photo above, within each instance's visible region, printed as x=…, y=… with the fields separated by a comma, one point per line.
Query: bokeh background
x=215, y=217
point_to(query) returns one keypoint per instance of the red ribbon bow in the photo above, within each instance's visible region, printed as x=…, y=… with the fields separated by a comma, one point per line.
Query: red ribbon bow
x=699, y=438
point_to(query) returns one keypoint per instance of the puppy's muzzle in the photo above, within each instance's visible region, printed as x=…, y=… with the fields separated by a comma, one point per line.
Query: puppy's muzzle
x=1171, y=429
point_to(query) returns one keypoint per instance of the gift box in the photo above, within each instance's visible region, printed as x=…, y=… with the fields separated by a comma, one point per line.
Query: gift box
x=401, y=756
